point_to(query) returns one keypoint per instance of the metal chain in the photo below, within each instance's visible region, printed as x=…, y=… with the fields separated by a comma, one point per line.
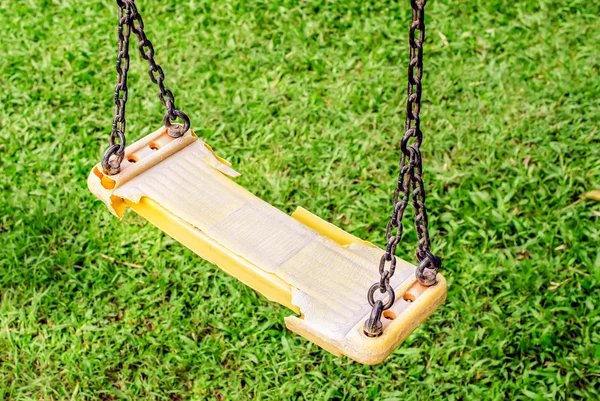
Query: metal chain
x=113, y=156
x=157, y=76
x=409, y=179
x=131, y=21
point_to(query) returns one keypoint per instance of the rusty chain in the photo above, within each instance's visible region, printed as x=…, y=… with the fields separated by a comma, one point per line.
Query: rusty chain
x=131, y=21
x=409, y=179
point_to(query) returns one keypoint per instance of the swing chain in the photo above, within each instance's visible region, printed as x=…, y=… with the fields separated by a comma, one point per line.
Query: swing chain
x=157, y=77
x=113, y=156
x=130, y=20
x=409, y=179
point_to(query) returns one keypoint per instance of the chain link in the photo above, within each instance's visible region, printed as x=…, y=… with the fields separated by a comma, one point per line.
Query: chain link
x=409, y=179
x=130, y=20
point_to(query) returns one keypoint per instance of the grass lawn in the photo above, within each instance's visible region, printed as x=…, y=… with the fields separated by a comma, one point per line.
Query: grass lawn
x=307, y=100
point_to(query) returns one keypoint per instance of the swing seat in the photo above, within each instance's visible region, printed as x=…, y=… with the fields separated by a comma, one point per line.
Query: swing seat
x=300, y=261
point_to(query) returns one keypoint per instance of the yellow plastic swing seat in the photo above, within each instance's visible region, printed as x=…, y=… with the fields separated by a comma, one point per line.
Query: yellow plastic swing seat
x=302, y=262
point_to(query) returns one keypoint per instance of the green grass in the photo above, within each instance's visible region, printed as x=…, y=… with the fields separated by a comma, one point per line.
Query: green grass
x=306, y=99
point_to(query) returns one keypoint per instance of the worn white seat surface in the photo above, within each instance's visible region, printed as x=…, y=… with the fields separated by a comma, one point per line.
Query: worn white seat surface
x=329, y=281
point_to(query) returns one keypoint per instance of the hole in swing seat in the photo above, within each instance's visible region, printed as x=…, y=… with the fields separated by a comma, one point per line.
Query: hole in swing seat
x=154, y=146
x=389, y=315
x=408, y=297
x=132, y=158
x=414, y=292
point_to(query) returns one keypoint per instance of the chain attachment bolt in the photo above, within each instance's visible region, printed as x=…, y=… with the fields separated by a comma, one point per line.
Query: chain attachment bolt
x=373, y=326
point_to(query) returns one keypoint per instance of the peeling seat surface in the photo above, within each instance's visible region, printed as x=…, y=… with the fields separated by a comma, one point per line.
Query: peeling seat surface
x=300, y=261
x=329, y=281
